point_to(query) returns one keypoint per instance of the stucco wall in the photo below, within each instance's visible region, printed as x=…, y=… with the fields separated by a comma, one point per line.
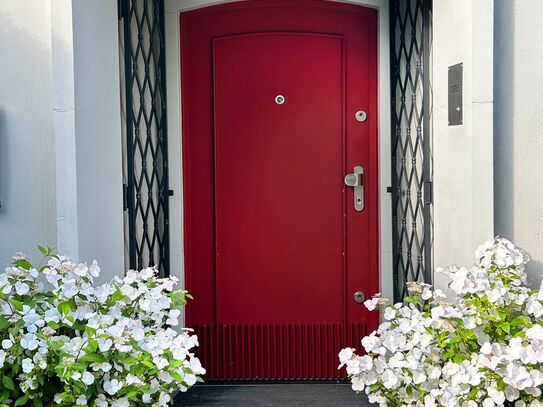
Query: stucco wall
x=463, y=164
x=98, y=134
x=518, y=121
x=27, y=171
x=60, y=132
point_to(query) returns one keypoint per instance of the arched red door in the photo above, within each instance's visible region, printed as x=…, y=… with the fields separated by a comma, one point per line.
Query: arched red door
x=279, y=104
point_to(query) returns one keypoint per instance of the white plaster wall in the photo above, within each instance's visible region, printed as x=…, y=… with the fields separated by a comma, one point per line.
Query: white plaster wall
x=98, y=134
x=60, y=133
x=64, y=127
x=463, y=155
x=518, y=120
x=172, y=9
x=27, y=170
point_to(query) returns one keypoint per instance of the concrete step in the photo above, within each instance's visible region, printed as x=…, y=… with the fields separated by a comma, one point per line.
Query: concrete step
x=271, y=395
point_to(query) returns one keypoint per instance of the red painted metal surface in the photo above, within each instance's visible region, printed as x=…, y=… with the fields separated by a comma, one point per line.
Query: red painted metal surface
x=273, y=247
x=279, y=209
x=278, y=350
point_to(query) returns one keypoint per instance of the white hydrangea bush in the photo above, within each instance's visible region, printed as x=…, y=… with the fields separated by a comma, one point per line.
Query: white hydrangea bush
x=483, y=347
x=67, y=342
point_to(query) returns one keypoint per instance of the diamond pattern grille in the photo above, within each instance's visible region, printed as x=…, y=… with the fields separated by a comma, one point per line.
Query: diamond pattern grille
x=411, y=142
x=144, y=108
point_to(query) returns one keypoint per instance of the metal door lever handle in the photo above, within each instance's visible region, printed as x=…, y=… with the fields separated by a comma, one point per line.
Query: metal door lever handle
x=356, y=180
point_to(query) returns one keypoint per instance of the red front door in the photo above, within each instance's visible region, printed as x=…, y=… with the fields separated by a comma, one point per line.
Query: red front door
x=274, y=247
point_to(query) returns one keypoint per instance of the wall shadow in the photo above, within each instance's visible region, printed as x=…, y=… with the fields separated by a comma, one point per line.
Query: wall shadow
x=4, y=154
x=504, y=148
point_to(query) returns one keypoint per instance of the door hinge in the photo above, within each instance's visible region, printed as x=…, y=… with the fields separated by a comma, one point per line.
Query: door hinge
x=428, y=193
x=125, y=197
x=120, y=9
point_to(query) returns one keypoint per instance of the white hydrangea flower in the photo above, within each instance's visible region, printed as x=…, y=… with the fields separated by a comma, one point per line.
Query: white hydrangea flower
x=21, y=288
x=69, y=288
x=81, y=401
x=105, y=344
x=101, y=401
x=122, y=402
x=147, y=273
x=87, y=378
x=173, y=317
x=164, y=399
x=68, y=315
x=7, y=343
x=112, y=386
x=30, y=341
x=27, y=365
x=455, y=350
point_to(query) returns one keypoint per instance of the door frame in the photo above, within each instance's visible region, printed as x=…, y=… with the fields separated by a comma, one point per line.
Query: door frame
x=173, y=82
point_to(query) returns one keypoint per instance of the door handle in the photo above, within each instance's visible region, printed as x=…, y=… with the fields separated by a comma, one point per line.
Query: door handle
x=356, y=180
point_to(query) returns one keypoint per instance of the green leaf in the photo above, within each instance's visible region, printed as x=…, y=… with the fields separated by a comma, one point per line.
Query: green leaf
x=53, y=325
x=92, y=357
x=37, y=403
x=117, y=295
x=4, y=395
x=92, y=345
x=131, y=394
x=458, y=358
x=176, y=376
x=79, y=366
x=64, y=307
x=520, y=334
x=4, y=323
x=375, y=387
x=56, y=344
x=90, y=331
x=520, y=321
x=505, y=327
x=21, y=401
x=17, y=304
x=23, y=263
x=43, y=250
x=147, y=363
x=8, y=383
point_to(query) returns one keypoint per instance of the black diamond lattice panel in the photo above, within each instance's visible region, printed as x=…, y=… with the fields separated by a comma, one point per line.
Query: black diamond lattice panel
x=146, y=161
x=410, y=23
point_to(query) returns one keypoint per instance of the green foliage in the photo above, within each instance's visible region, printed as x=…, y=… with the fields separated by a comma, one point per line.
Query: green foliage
x=65, y=341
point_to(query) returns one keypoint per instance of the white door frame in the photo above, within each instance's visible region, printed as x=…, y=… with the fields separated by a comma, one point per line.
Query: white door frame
x=173, y=82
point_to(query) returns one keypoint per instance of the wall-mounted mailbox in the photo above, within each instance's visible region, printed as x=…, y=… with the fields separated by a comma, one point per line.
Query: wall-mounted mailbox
x=455, y=95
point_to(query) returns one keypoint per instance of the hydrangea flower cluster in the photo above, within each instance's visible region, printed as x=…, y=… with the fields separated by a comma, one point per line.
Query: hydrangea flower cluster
x=482, y=348
x=65, y=341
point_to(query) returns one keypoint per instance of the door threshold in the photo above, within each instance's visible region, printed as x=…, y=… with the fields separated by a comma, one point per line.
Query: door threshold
x=260, y=382
x=290, y=394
